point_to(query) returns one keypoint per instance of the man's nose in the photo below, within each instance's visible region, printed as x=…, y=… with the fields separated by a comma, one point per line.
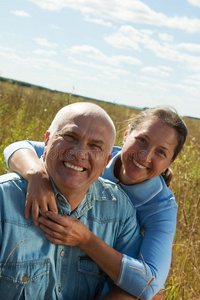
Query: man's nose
x=81, y=151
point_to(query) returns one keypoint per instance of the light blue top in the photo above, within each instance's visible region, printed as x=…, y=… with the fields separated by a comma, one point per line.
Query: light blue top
x=38, y=269
x=156, y=211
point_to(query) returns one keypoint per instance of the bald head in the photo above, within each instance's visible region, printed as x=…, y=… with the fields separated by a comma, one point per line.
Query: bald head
x=78, y=148
x=85, y=110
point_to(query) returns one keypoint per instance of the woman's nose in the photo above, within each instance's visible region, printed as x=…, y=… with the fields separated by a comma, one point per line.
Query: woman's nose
x=149, y=154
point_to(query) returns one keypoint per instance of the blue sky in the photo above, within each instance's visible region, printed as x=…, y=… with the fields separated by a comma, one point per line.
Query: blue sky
x=137, y=53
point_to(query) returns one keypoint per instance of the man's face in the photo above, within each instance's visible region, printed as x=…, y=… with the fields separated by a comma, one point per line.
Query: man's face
x=76, y=155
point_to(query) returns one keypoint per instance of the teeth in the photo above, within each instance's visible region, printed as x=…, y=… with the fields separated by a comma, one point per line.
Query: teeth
x=73, y=167
x=138, y=165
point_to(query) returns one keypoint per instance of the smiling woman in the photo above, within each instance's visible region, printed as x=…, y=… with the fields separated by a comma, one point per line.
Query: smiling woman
x=141, y=168
x=147, y=151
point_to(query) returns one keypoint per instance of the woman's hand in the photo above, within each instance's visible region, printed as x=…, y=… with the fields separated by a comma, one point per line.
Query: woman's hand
x=64, y=230
x=40, y=196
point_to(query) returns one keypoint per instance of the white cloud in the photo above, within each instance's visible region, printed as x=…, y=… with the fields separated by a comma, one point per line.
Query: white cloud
x=92, y=52
x=103, y=68
x=128, y=38
x=166, y=68
x=155, y=71
x=189, y=47
x=7, y=49
x=45, y=43
x=38, y=63
x=194, y=2
x=133, y=11
x=165, y=37
x=99, y=21
x=44, y=52
x=21, y=13
x=53, y=26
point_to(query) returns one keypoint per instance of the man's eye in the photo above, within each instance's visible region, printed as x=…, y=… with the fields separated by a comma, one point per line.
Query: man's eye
x=95, y=146
x=68, y=137
x=141, y=139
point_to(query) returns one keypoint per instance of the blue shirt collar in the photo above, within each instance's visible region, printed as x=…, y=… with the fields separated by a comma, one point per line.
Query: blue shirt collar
x=140, y=193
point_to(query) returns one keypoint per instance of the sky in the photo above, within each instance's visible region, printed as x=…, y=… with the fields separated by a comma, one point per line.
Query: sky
x=131, y=52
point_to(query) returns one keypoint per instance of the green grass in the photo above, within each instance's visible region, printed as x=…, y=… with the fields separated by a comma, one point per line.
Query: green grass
x=26, y=113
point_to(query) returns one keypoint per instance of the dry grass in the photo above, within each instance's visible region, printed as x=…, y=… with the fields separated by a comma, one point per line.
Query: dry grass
x=25, y=113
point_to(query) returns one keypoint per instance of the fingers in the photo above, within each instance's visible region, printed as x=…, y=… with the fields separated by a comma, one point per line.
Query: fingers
x=27, y=207
x=54, y=240
x=40, y=196
x=62, y=220
x=35, y=213
x=53, y=206
x=44, y=222
x=55, y=233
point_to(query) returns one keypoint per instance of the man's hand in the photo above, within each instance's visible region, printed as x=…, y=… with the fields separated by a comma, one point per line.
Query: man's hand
x=64, y=230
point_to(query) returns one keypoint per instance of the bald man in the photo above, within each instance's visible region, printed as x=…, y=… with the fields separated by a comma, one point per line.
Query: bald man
x=46, y=265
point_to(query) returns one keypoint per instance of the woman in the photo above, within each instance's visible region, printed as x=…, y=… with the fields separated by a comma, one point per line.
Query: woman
x=141, y=168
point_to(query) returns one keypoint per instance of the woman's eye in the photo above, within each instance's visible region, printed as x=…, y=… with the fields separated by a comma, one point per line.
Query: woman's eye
x=161, y=152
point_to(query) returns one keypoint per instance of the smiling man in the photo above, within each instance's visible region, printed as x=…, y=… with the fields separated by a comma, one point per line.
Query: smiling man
x=78, y=147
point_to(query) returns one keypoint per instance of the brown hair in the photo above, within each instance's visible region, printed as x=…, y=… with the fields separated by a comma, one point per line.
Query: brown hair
x=169, y=116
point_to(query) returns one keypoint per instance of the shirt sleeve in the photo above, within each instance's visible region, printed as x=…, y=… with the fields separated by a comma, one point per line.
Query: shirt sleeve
x=145, y=276
x=37, y=147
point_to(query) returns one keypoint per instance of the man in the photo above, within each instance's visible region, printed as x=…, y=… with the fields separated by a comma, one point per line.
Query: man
x=77, y=149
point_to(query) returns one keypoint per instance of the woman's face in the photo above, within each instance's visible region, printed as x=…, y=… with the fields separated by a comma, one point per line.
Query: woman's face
x=147, y=152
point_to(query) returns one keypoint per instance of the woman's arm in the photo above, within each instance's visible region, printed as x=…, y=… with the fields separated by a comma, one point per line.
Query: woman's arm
x=25, y=161
x=66, y=230
x=36, y=147
x=156, y=248
x=118, y=294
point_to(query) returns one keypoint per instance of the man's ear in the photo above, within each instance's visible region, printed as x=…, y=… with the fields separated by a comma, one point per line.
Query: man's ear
x=126, y=134
x=108, y=159
x=47, y=134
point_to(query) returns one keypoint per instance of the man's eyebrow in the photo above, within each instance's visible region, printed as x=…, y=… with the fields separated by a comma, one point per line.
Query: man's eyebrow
x=69, y=130
x=100, y=142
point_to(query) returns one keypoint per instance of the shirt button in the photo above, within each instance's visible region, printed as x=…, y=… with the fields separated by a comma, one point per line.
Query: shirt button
x=59, y=288
x=62, y=253
x=25, y=278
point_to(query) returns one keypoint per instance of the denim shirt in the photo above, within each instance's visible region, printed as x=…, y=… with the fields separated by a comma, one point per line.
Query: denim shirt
x=38, y=269
x=156, y=212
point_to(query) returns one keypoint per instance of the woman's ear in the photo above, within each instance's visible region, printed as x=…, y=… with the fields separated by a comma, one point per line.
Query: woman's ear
x=126, y=134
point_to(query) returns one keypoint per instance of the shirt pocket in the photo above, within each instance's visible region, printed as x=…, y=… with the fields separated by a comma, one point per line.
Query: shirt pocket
x=22, y=281
x=90, y=279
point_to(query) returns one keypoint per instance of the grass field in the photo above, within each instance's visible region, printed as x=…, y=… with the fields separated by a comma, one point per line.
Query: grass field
x=26, y=113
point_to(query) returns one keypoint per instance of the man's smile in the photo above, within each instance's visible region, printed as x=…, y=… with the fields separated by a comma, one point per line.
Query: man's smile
x=68, y=165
